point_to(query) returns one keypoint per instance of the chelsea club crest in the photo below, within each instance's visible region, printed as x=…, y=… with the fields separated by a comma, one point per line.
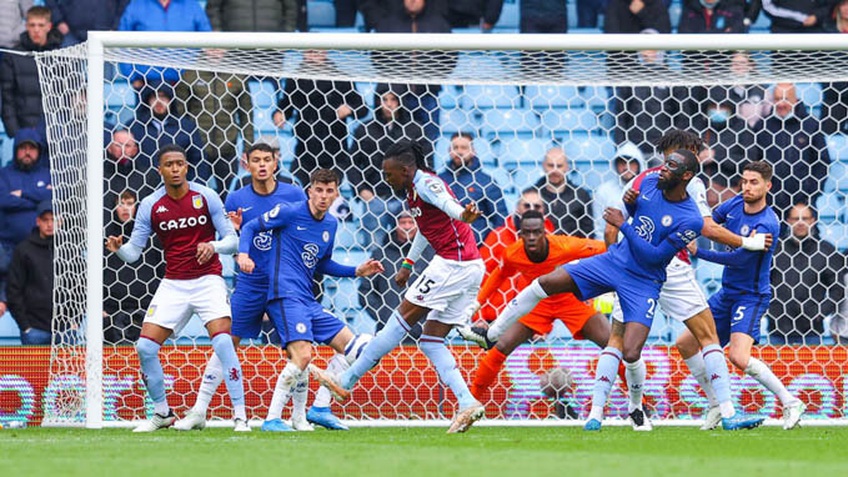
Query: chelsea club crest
x=326, y=236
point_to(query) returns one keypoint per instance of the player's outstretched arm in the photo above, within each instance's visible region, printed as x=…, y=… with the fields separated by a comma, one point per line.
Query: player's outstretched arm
x=369, y=267
x=648, y=253
x=471, y=213
x=756, y=242
x=228, y=243
x=245, y=263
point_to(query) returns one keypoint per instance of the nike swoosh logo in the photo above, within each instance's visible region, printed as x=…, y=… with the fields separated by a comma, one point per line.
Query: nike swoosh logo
x=301, y=228
x=245, y=209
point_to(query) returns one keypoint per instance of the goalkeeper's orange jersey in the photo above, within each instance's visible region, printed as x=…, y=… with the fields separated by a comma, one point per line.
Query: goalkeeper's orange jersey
x=561, y=250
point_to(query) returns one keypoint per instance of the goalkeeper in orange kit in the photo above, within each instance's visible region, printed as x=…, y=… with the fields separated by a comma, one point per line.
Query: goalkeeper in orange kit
x=533, y=255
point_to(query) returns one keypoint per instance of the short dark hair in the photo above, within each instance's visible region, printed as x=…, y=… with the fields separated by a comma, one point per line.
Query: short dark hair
x=260, y=146
x=530, y=214
x=680, y=139
x=463, y=134
x=39, y=12
x=126, y=195
x=761, y=167
x=324, y=176
x=801, y=203
x=170, y=148
x=408, y=153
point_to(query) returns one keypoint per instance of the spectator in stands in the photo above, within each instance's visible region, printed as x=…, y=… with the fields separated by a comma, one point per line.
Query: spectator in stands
x=464, y=175
x=501, y=238
x=12, y=20
x=322, y=107
x=569, y=206
x=391, y=122
x=712, y=16
x=644, y=113
x=157, y=123
x=252, y=15
x=588, y=12
x=415, y=16
x=379, y=294
x=160, y=15
x=30, y=283
x=474, y=13
x=834, y=112
x=124, y=170
x=627, y=164
x=75, y=18
x=726, y=133
x=544, y=16
x=19, y=75
x=752, y=12
x=807, y=277
x=128, y=287
x=221, y=105
x=798, y=16
x=792, y=142
x=634, y=16
x=24, y=184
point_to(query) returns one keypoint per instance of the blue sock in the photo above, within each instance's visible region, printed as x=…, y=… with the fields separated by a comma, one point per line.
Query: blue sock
x=152, y=374
x=385, y=341
x=442, y=359
x=605, y=375
x=718, y=376
x=222, y=343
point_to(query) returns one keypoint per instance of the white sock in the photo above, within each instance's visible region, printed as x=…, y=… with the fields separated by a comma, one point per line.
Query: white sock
x=382, y=343
x=763, y=374
x=212, y=377
x=445, y=364
x=605, y=375
x=635, y=374
x=282, y=391
x=719, y=377
x=337, y=365
x=299, y=395
x=519, y=306
x=698, y=369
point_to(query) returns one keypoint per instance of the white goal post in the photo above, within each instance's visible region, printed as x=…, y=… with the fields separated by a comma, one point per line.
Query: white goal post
x=521, y=61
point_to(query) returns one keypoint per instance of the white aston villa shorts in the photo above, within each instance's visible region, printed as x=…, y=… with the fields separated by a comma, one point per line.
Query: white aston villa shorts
x=176, y=301
x=681, y=297
x=448, y=288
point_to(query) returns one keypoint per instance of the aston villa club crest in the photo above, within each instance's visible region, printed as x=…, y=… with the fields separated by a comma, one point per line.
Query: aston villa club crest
x=197, y=202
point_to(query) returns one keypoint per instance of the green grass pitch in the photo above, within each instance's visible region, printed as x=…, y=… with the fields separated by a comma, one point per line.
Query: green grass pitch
x=412, y=452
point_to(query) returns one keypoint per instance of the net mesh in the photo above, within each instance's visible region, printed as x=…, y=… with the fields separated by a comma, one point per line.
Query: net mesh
x=331, y=108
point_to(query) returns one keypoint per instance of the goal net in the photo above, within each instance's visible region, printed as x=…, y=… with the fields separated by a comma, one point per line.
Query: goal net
x=552, y=120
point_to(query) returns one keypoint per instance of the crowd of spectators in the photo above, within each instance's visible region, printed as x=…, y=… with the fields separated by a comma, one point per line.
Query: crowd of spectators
x=210, y=114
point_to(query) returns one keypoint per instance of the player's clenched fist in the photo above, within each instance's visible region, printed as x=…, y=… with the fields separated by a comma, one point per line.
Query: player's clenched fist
x=114, y=243
x=613, y=216
x=630, y=196
x=471, y=213
x=205, y=252
x=245, y=263
x=402, y=276
x=368, y=268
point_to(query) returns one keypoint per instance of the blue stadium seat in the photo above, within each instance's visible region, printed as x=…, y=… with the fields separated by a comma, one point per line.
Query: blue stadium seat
x=346, y=236
x=839, y=174
x=762, y=25
x=502, y=178
x=522, y=151
x=508, y=21
x=551, y=96
x=708, y=275
x=490, y=96
x=835, y=233
x=10, y=334
x=321, y=14
x=590, y=174
x=263, y=93
x=475, y=65
x=810, y=94
x=448, y=97
x=7, y=149
x=559, y=121
x=343, y=294
x=367, y=91
x=118, y=94
x=596, y=97
x=455, y=120
x=830, y=206
x=837, y=147
x=503, y=123
x=588, y=147
x=263, y=120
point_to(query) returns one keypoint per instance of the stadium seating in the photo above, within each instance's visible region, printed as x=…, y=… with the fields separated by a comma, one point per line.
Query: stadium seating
x=10, y=334
x=837, y=147
x=835, y=233
x=455, y=120
x=581, y=146
x=830, y=207
x=321, y=14
x=550, y=96
x=263, y=93
x=561, y=122
x=505, y=123
x=490, y=96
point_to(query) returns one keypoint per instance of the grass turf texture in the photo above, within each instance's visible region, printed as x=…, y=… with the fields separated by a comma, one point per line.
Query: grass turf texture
x=410, y=452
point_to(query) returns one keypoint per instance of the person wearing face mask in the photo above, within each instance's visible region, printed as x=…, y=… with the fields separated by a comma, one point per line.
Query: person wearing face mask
x=792, y=141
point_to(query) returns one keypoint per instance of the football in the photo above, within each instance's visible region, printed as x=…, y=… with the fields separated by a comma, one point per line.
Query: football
x=355, y=346
x=557, y=382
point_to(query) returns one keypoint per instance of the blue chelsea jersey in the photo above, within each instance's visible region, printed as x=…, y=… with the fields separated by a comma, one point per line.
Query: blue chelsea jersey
x=253, y=205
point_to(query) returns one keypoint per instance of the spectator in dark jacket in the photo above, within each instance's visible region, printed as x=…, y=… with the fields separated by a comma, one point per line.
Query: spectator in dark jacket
x=798, y=16
x=128, y=287
x=569, y=206
x=807, y=277
x=468, y=182
x=834, y=112
x=30, y=286
x=792, y=142
x=379, y=295
x=544, y=16
x=474, y=13
x=322, y=107
x=12, y=19
x=416, y=16
x=633, y=16
x=125, y=169
x=75, y=18
x=252, y=15
x=712, y=16
x=19, y=75
x=157, y=124
x=23, y=185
